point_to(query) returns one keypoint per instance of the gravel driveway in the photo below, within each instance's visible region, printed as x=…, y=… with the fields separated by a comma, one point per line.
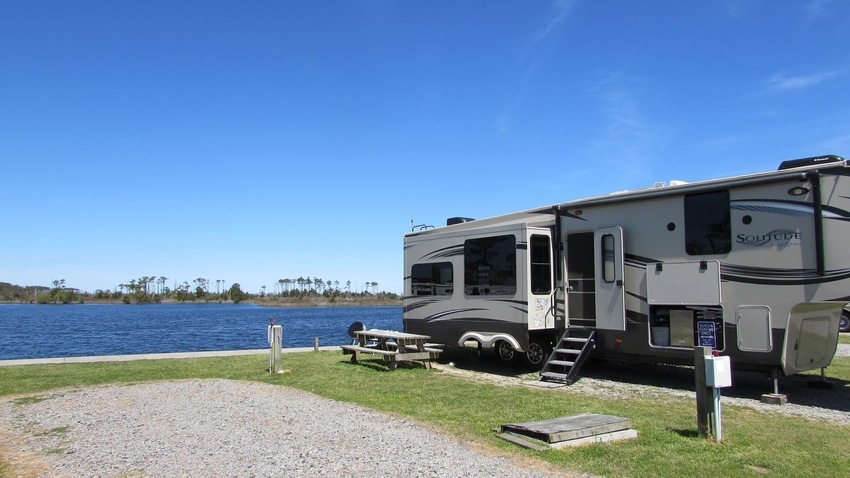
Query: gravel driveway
x=228, y=428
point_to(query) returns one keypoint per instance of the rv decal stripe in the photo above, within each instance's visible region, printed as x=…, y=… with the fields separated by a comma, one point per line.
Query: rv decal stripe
x=509, y=301
x=774, y=207
x=442, y=315
x=770, y=281
x=418, y=305
x=765, y=276
x=450, y=251
x=767, y=272
x=787, y=208
x=638, y=261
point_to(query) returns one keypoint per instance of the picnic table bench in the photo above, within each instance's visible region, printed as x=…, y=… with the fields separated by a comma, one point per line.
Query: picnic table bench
x=392, y=346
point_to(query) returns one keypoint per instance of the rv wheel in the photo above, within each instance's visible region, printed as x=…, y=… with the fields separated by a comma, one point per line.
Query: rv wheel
x=506, y=353
x=535, y=355
x=844, y=321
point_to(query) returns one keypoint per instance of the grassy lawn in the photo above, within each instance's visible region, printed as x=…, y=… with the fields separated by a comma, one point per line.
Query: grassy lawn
x=755, y=444
x=844, y=338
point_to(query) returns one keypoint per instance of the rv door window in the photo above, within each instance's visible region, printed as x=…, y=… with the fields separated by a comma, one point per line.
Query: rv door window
x=490, y=265
x=608, y=270
x=432, y=279
x=541, y=265
x=707, y=223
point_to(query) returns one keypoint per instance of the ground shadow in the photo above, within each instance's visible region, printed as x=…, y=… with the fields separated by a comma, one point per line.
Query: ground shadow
x=684, y=433
x=381, y=366
x=800, y=389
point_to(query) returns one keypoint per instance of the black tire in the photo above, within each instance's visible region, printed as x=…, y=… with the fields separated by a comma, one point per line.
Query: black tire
x=536, y=355
x=844, y=322
x=506, y=354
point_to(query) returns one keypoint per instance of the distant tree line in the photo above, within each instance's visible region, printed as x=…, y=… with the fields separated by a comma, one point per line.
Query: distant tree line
x=153, y=289
x=16, y=293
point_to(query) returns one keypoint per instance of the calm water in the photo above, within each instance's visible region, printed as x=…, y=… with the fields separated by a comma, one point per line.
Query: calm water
x=47, y=331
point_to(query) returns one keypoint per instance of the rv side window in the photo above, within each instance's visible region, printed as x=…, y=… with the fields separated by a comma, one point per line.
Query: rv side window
x=541, y=265
x=608, y=271
x=432, y=279
x=490, y=266
x=707, y=223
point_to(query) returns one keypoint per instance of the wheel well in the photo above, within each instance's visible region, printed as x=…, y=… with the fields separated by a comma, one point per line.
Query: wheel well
x=489, y=339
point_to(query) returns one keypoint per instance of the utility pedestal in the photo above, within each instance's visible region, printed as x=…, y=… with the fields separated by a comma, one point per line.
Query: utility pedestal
x=275, y=336
x=712, y=373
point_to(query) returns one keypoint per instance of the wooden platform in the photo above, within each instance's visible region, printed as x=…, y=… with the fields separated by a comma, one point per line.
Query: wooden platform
x=568, y=431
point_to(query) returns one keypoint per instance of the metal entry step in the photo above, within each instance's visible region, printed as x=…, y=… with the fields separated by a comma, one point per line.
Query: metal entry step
x=569, y=355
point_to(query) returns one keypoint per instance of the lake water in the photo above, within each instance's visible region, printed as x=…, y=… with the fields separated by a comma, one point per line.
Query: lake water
x=48, y=331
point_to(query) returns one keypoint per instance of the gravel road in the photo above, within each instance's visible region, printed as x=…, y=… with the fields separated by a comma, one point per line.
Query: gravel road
x=229, y=428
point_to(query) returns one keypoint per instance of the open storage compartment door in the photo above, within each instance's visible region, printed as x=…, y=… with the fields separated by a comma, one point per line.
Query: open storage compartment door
x=683, y=283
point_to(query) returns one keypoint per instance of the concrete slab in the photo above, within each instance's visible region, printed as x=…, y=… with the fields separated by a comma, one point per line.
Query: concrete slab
x=542, y=384
x=603, y=438
x=774, y=398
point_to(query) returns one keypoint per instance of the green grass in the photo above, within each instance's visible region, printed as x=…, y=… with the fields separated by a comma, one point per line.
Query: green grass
x=755, y=444
x=844, y=338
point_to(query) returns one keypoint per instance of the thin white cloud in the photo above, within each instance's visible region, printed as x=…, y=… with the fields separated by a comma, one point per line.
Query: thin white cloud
x=627, y=137
x=779, y=83
x=529, y=61
x=737, y=8
x=562, y=9
x=815, y=8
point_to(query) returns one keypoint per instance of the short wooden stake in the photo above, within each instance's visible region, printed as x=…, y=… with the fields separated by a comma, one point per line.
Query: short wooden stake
x=315, y=344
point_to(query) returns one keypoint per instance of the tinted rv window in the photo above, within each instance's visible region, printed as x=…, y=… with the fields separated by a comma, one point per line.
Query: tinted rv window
x=609, y=272
x=707, y=228
x=432, y=279
x=541, y=265
x=490, y=266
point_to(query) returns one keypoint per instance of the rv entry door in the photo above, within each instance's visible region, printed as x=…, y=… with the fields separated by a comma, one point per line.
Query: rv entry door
x=610, y=291
x=540, y=307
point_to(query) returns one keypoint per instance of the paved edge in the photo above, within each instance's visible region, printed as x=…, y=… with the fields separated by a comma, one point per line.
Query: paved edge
x=175, y=355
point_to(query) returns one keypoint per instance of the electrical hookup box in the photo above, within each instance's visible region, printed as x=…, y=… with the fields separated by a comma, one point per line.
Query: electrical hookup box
x=718, y=372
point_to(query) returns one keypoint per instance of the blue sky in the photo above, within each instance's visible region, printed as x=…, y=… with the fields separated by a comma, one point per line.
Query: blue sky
x=254, y=141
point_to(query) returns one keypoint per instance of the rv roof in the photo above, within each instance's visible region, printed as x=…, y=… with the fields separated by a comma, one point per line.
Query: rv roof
x=788, y=169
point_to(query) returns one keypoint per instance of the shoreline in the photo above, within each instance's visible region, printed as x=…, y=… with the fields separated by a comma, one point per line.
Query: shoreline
x=262, y=303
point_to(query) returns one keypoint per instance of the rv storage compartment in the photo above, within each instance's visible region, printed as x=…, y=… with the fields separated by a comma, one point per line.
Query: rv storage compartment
x=660, y=329
x=682, y=328
x=686, y=326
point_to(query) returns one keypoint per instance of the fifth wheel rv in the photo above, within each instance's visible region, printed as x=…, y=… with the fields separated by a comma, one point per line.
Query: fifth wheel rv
x=756, y=267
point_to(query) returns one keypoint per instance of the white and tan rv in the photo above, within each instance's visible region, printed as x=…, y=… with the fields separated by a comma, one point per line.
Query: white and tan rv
x=755, y=267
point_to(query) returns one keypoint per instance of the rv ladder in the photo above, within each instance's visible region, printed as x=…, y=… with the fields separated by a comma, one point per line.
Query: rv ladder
x=568, y=356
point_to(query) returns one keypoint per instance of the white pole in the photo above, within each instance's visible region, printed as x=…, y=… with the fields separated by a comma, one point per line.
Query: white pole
x=718, y=431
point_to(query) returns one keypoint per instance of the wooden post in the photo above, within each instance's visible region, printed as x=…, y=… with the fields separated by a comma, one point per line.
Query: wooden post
x=705, y=397
x=275, y=350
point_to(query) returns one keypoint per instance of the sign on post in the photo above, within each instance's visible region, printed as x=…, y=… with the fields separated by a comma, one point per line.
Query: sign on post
x=706, y=334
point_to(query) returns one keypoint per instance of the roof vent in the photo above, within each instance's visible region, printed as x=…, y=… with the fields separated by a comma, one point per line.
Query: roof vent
x=798, y=163
x=458, y=220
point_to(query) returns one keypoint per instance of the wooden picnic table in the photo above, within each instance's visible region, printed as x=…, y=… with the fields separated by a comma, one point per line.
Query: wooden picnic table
x=392, y=346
